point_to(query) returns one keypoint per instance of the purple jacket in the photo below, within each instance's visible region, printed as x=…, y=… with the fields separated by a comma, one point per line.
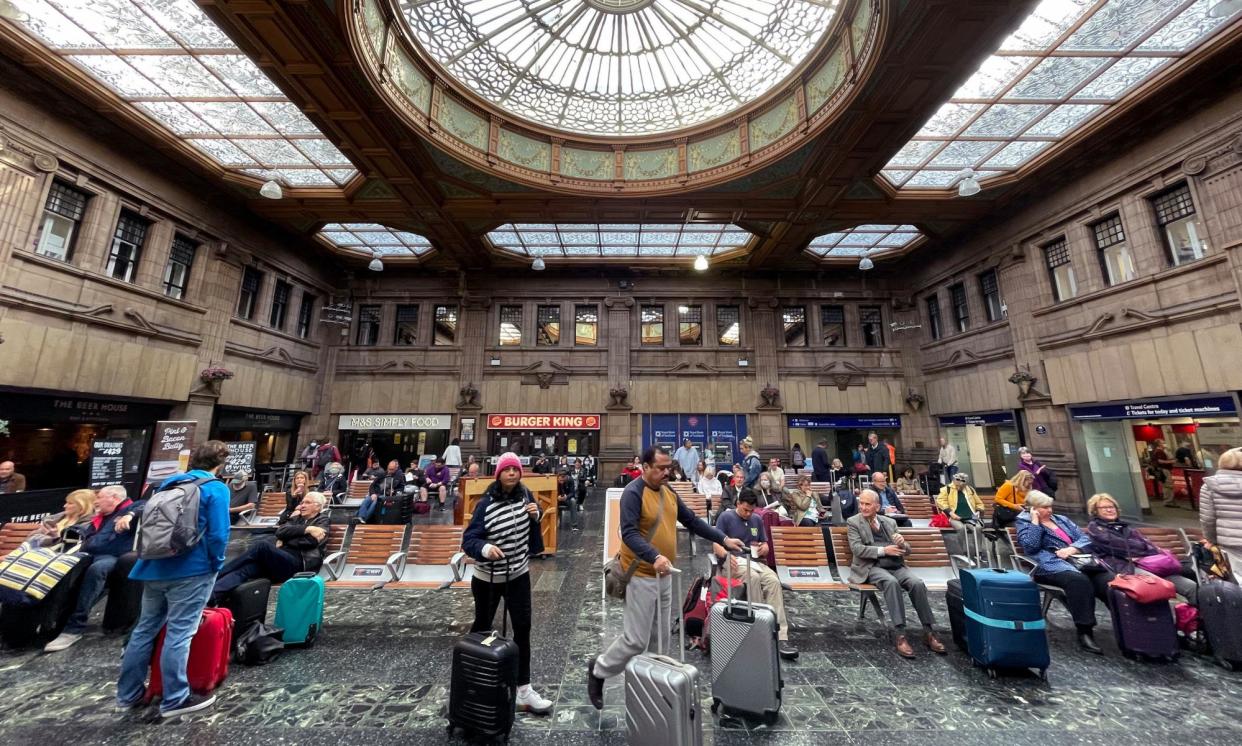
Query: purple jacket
x=1115, y=544
x=437, y=475
x=1034, y=467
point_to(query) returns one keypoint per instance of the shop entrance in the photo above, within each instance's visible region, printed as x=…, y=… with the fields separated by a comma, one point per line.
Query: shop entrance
x=552, y=443
x=844, y=434
x=987, y=446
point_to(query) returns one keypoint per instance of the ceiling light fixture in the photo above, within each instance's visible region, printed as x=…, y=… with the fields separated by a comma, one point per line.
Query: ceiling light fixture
x=968, y=184
x=538, y=265
x=12, y=12
x=700, y=263
x=271, y=190
x=865, y=263
x=377, y=264
x=1225, y=8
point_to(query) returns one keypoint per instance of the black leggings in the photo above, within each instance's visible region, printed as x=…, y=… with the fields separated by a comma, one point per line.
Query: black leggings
x=516, y=593
x=1081, y=591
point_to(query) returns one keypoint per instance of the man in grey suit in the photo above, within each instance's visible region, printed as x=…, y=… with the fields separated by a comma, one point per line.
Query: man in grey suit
x=879, y=559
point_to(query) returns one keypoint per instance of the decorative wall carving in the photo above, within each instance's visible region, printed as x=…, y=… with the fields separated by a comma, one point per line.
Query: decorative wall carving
x=1129, y=320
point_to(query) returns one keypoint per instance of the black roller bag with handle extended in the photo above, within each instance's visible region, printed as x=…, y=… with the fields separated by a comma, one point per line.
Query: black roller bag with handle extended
x=483, y=683
x=1220, y=614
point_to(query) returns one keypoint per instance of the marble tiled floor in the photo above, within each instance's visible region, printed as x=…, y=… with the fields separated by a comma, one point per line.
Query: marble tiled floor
x=380, y=671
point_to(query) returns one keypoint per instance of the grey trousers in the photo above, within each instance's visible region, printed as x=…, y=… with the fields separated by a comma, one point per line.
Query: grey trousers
x=640, y=626
x=891, y=583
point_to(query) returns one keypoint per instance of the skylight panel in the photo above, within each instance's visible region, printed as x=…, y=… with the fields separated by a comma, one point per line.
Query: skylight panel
x=621, y=240
x=863, y=240
x=175, y=66
x=372, y=238
x=1066, y=63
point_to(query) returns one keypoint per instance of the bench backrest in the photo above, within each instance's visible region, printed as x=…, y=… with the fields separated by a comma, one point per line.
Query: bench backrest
x=696, y=503
x=918, y=506
x=989, y=504
x=799, y=546
x=434, y=545
x=271, y=504
x=13, y=534
x=841, y=548
x=927, y=548
x=372, y=544
x=358, y=488
x=336, y=538
x=683, y=489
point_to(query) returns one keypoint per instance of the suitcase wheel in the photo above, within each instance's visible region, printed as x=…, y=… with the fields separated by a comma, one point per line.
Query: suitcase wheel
x=311, y=633
x=1043, y=674
x=1226, y=664
x=771, y=716
x=992, y=673
x=716, y=702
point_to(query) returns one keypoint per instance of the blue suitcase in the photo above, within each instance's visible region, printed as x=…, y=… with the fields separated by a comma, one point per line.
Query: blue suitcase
x=1004, y=621
x=299, y=608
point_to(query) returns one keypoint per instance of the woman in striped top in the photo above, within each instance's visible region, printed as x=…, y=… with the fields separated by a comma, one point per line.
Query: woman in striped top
x=502, y=535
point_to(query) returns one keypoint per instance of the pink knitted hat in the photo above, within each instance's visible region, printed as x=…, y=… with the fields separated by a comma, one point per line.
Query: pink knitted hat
x=509, y=459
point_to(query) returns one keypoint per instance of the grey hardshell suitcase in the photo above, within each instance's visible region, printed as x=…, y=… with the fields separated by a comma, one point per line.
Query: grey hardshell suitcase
x=746, y=663
x=662, y=693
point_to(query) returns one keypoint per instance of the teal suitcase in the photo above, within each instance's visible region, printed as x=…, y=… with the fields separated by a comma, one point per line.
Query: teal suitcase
x=299, y=608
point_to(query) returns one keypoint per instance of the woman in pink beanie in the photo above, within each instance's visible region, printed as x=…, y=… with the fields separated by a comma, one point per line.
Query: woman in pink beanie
x=502, y=536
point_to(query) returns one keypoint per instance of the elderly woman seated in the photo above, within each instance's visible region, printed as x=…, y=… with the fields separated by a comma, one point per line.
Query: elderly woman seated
x=79, y=508
x=1062, y=556
x=800, y=504
x=300, y=537
x=1124, y=549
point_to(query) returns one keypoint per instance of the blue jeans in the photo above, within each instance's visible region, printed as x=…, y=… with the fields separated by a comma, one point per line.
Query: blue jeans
x=179, y=604
x=94, y=585
x=949, y=471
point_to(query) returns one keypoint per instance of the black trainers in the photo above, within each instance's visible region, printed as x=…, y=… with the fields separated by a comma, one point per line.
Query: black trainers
x=595, y=687
x=786, y=650
x=192, y=703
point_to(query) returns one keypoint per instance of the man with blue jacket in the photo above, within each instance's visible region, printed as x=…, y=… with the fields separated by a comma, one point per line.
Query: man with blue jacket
x=176, y=591
x=107, y=536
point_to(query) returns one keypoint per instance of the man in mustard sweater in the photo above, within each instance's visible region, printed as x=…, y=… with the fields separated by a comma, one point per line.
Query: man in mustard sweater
x=654, y=546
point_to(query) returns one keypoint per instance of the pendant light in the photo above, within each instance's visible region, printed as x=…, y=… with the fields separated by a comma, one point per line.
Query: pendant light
x=968, y=185
x=538, y=265
x=377, y=264
x=700, y=263
x=271, y=190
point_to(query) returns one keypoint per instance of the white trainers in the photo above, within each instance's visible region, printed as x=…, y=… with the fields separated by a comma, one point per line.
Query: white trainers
x=528, y=700
x=62, y=641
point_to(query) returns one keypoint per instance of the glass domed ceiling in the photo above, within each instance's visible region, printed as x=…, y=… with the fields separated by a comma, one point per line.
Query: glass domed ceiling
x=619, y=67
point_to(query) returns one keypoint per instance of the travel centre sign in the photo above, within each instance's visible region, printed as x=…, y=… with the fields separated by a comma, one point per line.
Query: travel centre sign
x=396, y=421
x=543, y=422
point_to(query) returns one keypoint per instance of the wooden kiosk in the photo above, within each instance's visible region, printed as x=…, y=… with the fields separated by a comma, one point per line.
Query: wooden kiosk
x=542, y=486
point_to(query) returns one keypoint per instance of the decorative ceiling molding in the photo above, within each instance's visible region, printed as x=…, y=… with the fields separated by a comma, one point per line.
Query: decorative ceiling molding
x=478, y=132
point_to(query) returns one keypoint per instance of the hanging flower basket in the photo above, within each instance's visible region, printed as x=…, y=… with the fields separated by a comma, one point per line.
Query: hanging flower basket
x=211, y=375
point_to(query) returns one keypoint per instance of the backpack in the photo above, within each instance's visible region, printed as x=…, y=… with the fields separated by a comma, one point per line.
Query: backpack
x=324, y=457
x=169, y=525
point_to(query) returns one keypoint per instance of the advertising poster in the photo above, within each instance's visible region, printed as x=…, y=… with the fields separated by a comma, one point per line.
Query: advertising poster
x=170, y=448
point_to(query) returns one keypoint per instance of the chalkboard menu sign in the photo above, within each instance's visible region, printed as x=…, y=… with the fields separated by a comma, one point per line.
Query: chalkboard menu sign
x=170, y=449
x=241, y=457
x=107, y=463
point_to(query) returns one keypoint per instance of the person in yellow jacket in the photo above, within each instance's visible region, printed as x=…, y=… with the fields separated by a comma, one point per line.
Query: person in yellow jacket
x=1011, y=499
x=958, y=500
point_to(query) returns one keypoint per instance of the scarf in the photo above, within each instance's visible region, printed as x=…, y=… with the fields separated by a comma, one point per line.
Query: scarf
x=98, y=520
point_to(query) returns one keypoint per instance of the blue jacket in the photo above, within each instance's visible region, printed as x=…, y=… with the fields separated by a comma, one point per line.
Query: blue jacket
x=105, y=539
x=207, y=556
x=753, y=467
x=1041, y=544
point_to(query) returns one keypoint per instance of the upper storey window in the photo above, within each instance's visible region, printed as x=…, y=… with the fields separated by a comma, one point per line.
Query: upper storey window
x=62, y=217
x=1183, y=234
x=1115, y=259
x=126, y=251
x=1061, y=270
x=177, y=271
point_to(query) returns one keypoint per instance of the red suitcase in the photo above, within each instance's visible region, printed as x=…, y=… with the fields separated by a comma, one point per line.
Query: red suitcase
x=209, y=654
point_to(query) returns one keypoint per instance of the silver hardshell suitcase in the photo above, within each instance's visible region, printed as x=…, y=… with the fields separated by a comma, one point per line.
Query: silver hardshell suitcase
x=662, y=693
x=746, y=663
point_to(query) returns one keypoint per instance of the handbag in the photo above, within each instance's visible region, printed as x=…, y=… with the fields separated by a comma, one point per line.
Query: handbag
x=1144, y=589
x=616, y=580
x=1162, y=563
x=36, y=571
x=940, y=520
x=1003, y=515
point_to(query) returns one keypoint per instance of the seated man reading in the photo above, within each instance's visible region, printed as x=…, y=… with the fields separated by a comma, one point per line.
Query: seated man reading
x=740, y=522
x=300, y=538
x=879, y=559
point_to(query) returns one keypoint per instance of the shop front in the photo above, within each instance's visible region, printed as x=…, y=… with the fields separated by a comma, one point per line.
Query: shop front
x=844, y=433
x=370, y=439
x=274, y=435
x=718, y=433
x=1115, y=442
x=50, y=436
x=554, y=435
x=987, y=445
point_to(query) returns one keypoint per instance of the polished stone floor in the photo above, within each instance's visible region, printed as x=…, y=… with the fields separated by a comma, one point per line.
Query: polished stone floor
x=379, y=673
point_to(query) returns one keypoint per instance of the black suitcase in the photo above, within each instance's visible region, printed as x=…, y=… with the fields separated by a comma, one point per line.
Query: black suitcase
x=484, y=681
x=39, y=623
x=1220, y=615
x=1143, y=629
x=124, y=604
x=248, y=602
x=957, y=612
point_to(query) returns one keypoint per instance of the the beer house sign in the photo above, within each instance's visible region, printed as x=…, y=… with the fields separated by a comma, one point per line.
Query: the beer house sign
x=543, y=422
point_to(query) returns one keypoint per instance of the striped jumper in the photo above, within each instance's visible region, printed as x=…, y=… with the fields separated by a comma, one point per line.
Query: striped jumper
x=508, y=526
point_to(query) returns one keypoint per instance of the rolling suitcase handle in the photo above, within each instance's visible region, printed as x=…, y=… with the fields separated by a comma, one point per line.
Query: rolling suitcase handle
x=749, y=609
x=662, y=614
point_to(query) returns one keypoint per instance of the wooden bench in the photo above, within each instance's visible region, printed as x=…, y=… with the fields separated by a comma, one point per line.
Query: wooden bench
x=698, y=505
x=271, y=505
x=13, y=534
x=867, y=593
x=356, y=494
x=373, y=555
x=989, y=505
x=929, y=558
x=802, y=559
x=429, y=561
x=919, y=509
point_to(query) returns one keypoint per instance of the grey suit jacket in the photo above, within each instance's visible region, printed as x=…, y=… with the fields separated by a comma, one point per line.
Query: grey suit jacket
x=864, y=545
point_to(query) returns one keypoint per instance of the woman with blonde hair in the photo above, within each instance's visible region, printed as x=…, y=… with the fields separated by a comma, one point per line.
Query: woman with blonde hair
x=297, y=490
x=1220, y=506
x=79, y=506
x=1011, y=498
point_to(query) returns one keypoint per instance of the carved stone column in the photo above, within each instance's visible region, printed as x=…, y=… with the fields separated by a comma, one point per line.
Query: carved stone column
x=618, y=436
x=767, y=424
x=473, y=353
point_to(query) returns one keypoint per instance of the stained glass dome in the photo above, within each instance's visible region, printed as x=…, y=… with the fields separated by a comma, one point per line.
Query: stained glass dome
x=619, y=67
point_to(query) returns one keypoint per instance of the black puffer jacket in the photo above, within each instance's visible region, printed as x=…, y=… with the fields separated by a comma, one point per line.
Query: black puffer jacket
x=291, y=533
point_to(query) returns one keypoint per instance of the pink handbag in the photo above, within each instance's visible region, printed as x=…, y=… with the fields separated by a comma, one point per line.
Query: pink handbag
x=1162, y=564
x=1145, y=589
